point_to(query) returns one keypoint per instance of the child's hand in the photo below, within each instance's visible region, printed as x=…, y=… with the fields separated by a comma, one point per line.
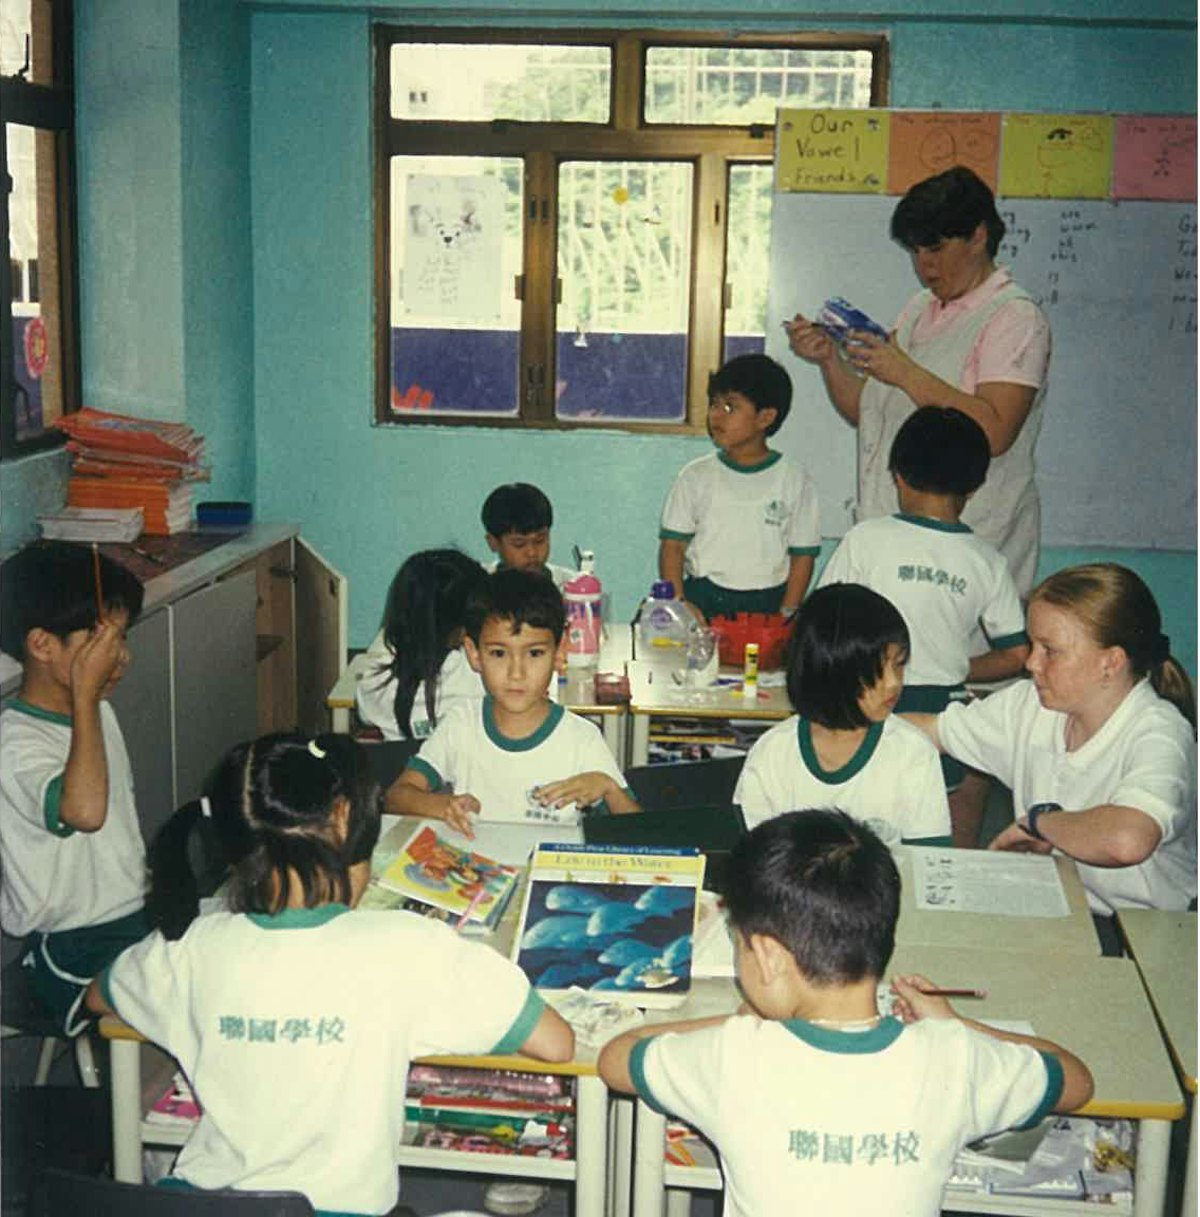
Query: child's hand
x=458, y=810
x=809, y=341
x=98, y=664
x=912, y=1002
x=583, y=789
x=1015, y=839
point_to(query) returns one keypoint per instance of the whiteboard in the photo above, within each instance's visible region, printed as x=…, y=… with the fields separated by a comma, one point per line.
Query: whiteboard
x=1116, y=461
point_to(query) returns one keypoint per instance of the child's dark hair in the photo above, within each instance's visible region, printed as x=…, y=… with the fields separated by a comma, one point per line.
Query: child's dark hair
x=51, y=585
x=760, y=380
x=950, y=204
x=839, y=643
x=519, y=597
x=270, y=805
x=822, y=884
x=516, y=507
x=422, y=621
x=940, y=450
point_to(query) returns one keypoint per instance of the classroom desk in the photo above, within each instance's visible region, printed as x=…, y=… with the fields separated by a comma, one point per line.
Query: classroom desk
x=577, y=692
x=654, y=692
x=588, y=1169
x=1096, y=1007
x=1163, y=945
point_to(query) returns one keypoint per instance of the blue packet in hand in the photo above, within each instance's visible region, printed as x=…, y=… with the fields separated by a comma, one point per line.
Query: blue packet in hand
x=838, y=317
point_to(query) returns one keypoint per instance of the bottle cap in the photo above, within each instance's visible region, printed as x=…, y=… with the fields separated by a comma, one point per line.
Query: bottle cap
x=663, y=589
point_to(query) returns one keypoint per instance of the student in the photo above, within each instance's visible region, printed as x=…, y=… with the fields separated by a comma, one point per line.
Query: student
x=517, y=519
x=515, y=756
x=816, y=1102
x=416, y=667
x=947, y=582
x=844, y=747
x=742, y=521
x=1099, y=748
x=295, y=1019
x=70, y=842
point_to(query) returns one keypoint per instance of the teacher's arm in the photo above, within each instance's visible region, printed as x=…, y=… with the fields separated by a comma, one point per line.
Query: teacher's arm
x=1107, y=835
x=814, y=346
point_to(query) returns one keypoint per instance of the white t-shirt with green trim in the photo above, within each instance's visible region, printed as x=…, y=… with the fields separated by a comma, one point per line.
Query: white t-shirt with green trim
x=467, y=754
x=743, y=524
x=945, y=580
x=296, y=1033
x=810, y=1119
x=895, y=776
x=55, y=878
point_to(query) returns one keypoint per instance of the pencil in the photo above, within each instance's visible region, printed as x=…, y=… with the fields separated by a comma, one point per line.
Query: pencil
x=979, y=993
x=99, y=584
x=476, y=900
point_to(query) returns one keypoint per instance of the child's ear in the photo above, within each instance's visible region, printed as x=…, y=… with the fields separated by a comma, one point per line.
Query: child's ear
x=472, y=653
x=766, y=418
x=770, y=957
x=493, y=542
x=39, y=644
x=560, y=655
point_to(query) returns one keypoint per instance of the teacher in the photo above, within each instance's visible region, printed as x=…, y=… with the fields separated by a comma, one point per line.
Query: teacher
x=972, y=339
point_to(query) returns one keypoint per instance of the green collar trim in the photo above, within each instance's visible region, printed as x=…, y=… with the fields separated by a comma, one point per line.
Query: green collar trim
x=851, y=1043
x=765, y=463
x=526, y=743
x=49, y=716
x=936, y=525
x=298, y=919
x=855, y=764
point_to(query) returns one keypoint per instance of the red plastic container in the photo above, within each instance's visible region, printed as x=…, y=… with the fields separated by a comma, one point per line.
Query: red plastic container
x=770, y=630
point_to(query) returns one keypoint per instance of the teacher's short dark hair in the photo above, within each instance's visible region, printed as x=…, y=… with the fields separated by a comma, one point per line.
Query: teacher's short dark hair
x=950, y=204
x=940, y=450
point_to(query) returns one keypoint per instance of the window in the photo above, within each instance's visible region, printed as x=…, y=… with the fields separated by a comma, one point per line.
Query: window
x=573, y=228
x=39, y=363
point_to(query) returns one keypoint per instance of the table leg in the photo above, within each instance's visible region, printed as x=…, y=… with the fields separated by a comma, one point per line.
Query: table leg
x=614, y=736
x=126, y=1067
x=591, y=1144
x=622, y=1156
x=340, y=716
x=639, y=748
x=679, y=1202
x=650, y=1132
x=1189, y=1181
x=1150, y=1177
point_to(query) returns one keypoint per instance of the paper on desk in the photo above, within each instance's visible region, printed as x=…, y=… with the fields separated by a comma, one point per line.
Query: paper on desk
x=712, y=944
x=594, y=1020
x=976, y=881
x=513, y=843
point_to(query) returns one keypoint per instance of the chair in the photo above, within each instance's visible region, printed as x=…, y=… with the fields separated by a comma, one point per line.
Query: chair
x=59, y=1193
x=21, y=1014
x=685, y=784
x=386, y=758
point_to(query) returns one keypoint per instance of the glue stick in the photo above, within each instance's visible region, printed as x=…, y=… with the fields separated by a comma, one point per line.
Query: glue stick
x=750, y=670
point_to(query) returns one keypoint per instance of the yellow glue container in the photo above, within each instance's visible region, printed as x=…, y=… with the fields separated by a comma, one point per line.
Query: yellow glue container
x=750, y=670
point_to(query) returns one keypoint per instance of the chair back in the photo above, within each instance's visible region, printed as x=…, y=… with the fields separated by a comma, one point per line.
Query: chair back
x=684, y=784
x=59, y=1193
x=387, y=758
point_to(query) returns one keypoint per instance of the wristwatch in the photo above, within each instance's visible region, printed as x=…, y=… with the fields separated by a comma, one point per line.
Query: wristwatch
x=1034, y=813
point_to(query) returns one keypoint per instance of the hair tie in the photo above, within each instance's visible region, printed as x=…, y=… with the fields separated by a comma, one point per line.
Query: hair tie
x=1162, y=650
x=317, y=750
x=205, y=807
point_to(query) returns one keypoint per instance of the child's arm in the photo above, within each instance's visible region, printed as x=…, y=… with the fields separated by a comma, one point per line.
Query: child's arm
x=94, y=1000
x=551, y=1038
x=585, y=789
x=1001, y=664
x=800, y=569
x=409, y=795
x=84, y=802
x=670, y=562
x=913, y=1004
x=928, y=724
x=614, y=1056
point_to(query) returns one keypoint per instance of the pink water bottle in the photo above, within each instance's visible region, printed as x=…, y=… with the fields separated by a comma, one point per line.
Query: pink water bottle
x=581, y=594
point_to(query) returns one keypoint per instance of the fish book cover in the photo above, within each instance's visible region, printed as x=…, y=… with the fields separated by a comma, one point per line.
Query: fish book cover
x=614, y=920
x=437, y=872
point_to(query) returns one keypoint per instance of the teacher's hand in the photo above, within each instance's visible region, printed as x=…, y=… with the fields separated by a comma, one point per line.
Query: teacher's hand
x=809, y=341
x=1016, y=840
x=885, y=361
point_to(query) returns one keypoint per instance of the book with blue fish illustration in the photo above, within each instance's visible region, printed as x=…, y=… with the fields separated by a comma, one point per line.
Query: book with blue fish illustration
x=615, y=920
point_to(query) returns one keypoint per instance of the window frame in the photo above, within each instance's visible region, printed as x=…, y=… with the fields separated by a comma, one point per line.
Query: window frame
x=710, y=149
x=47, y=107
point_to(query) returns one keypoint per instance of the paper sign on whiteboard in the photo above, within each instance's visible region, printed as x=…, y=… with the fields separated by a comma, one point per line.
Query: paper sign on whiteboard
x=1155, y=158
x=1057, y=156
x=832, y=151
x=925, y=142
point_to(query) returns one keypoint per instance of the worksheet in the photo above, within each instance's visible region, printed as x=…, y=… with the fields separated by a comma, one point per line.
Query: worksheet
x=975, y=881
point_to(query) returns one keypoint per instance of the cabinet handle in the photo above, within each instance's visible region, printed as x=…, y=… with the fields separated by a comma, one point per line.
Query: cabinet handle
x=284, y=572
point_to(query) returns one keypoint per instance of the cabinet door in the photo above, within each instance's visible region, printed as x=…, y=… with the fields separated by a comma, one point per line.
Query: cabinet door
x=142, y=702
x=215, y=681
x=320, y=636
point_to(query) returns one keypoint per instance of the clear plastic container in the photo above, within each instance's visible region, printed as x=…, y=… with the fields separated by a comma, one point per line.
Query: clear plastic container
x=663, y=625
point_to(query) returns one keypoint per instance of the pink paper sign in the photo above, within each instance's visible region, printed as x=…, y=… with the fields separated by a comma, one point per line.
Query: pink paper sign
x=1155, y=158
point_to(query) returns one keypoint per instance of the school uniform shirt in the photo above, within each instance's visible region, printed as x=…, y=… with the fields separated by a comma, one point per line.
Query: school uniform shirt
x=742, y=523
x=467, y=754
x=296, y=1031
x=56, y=878
x=375, y=696
x=994, y=333
x=894, y=776
x=946, y=582
x=1144, y=756
x=809, y=1119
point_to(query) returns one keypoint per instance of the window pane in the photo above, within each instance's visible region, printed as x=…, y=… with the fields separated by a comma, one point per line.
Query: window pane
x=624, y=259
x=469, y=82
x=26, y=27
x=455, y=251
x=747, y=258
x=33, y=256
x=740, y=85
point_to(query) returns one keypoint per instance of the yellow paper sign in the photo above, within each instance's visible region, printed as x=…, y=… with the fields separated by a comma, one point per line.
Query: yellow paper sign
x=832, y=151
x=1057, y=156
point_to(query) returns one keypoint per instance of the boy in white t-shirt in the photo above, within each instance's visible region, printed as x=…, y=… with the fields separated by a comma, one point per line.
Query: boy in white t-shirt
x=816, y=1102
x=517, y=518
x=739, y=530
x=70, y=842
x=516, y=755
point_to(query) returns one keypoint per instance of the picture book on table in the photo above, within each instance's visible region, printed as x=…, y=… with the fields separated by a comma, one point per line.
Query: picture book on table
x=617, y=921
x=436, y=872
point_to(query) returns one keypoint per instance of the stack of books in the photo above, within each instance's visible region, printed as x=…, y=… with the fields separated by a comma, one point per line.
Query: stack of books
x=120, y=461
x=120, y=524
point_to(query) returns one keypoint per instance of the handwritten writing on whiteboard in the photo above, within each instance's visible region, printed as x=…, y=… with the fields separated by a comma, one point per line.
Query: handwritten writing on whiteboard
x=925, y=142
x=1056, y=156
x=1155, y=158
x=832, y=151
